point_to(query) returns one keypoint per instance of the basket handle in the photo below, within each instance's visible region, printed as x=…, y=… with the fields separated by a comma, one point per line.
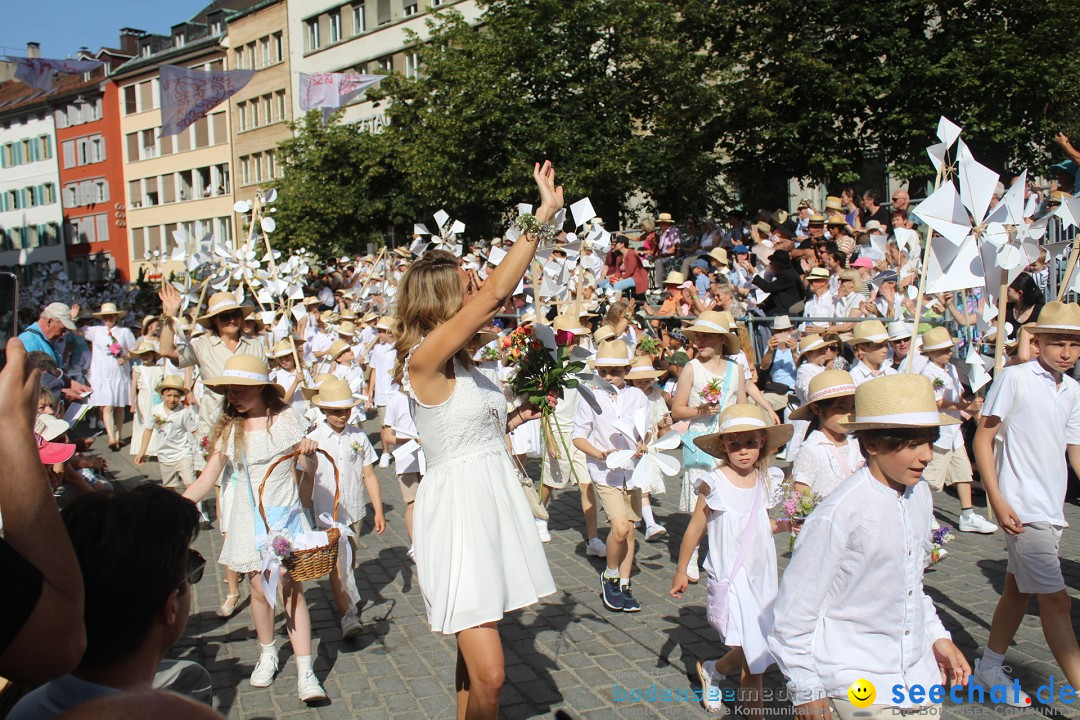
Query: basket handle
x=290, y=456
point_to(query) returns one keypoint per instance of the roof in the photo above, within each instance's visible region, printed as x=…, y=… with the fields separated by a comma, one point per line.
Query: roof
x=17, y=97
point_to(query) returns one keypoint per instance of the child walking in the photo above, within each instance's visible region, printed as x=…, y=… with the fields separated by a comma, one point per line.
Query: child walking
x=255, y=429
x=174, y=424
x=827, y=456
x=1035, y=407
x=733, y=508
x=873, y=339
x=851, y=605
x=353, y=454
x=144, y=378
x=596, y=435
x=284, y=373
x=643, y=376
x=399, y=428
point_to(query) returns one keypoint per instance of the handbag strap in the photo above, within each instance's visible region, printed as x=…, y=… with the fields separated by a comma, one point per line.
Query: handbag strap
x=748, y=533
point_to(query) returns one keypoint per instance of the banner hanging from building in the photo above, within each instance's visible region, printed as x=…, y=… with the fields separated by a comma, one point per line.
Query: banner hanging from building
x=187, y=95
x=38, y=72
x=332, y=90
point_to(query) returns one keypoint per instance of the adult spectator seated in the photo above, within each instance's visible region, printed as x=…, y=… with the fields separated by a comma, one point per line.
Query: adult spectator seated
x=138, y=571
x=630, y=274
x=45, y=336
x=784, y=287
x=872, y=209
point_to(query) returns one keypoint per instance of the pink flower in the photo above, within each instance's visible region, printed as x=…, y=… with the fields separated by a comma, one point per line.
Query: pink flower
x=115, y=349
x=563, y=337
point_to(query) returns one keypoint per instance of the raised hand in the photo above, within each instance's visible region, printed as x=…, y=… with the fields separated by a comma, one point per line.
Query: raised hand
x=551, y=195
x=170, y=300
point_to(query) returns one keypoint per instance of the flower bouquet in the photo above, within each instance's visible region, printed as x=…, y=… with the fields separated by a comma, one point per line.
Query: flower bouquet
x=489, y=354
x=713, y=392
x=280, y=545
x=797, y=505
x=544, y=369
x=160, y=424
x=204, y=447
x=938, y=384
x=938, y=540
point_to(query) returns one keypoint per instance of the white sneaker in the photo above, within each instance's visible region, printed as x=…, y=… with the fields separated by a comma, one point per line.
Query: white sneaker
x=596, y=548
x=711, y=694
x=542, y=530
x=653, y=532
x=309, y=689
x=998, y=675
x=411, y=554
x=977, y=524
x=265, y=670
x=350, y=625
x=384, y=460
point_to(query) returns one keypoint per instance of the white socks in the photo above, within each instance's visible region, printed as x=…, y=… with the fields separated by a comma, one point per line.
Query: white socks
x=611, y=574
x=966, y=512
x=303, y=665
x=990, y=659
x=647, y=515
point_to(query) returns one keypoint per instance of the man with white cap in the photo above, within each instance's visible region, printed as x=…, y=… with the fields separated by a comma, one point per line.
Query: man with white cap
x=900, y=344
x=46, y=335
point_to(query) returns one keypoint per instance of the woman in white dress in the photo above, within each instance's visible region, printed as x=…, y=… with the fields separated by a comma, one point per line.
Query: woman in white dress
x=478, y=554
x=110, y=369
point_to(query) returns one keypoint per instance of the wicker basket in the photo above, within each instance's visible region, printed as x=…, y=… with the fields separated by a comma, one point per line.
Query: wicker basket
x=313, y=563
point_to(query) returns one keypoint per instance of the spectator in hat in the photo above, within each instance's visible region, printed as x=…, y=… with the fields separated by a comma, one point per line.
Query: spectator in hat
x=784, y=288
x=805, y=210
x=700, y=270
x=46, y=335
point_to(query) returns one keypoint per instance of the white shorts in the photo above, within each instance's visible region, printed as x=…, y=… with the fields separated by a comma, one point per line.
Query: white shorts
x=177, y=476
x=1035, y=558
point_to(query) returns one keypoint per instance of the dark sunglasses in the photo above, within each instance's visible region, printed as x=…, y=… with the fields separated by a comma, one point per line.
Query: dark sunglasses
x=231, y=314
x=196, y=565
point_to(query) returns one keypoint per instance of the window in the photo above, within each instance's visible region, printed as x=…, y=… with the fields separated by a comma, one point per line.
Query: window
x=241, y=114
x=101, y=191
x=239, y=61
x=271, y=169
x=68, y=149
x=435, y=3
x=146, y=96
x=245, y=170
x=386, y=63
x=384, y=12
x=48, y=193
x=102, y=226
x=149, y=145
x=359, y=19
x=412, y=64
x=279, y=97
x=279, y=47
x=267, y=103
x=335, y=26
x=130, y=103
x=202, y=133
x=411, y=9
x=264, y=49
x=254, y=107
x=253, y=57
x=60, y=116
x=219, y=128
x=132, y=149
x=134, y=193
x=45, y=147
x=155, y=94
x=312, y=35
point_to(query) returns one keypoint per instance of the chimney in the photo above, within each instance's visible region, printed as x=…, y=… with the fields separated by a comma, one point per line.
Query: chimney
x=33, y=50
x=129, y=40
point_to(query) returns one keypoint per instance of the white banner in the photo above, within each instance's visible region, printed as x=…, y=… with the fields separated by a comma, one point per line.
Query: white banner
x=38, y=72
x=187, y=95
x=332, y=90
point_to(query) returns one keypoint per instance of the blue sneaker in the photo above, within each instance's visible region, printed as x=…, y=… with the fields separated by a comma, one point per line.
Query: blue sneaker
x=609, y=590
x=629, y=603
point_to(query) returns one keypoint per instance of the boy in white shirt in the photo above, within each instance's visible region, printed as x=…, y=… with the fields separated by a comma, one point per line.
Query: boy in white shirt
x=399, y=428
x=950, y=465
x=284, y=374
x=381, y=360
x=354, y=457
x=872, y=339
x=175, y=425
x=1036, y=406
x=851, y=604
x=596, y=435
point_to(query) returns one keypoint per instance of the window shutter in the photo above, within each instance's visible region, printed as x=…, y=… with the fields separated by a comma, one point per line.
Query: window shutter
x=69, y=154
x=102, y=228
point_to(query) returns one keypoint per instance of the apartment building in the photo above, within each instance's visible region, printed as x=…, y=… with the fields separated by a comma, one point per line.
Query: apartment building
x=363, y=36
x=182, y=181
x=258, y=39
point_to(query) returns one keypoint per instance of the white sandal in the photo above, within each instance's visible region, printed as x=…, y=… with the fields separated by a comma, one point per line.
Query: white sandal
x=228, y=608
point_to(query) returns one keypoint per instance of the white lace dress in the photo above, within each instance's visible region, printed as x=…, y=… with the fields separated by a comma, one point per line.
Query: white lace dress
x=478, y=555
x=281, y=498
x=822, y=466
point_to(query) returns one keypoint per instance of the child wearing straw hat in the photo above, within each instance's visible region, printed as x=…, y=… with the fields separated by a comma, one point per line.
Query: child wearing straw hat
x=284, y=374
x=851, y=605
x=170, y=430
x=643, y=376
x=256, y=429
x=144, y=378
x=872, y=339
x=695, y=402
x=1036, y=407
x=110, y=372
x=814, y=352
x=596, y=435
x=827, y=456
x=732, y=508
x=950, y=465
x=352, y=452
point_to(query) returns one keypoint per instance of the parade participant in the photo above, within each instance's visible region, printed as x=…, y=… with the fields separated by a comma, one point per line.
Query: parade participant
x=399, y=428
x=284, y=374
x=255, y=429
x=694, y=402
x=110, y=371
x=1036, y=407
x=827, y=456
x=596, y=435
x=477, y=552
x=208, y=354
x=851, y=604
x=381, y=361
x=348, y=445
x=873, y=338
x=174, y=424
x=950, y=465
x=144, y=379
x=814, y=357
x=643, y=376
x=732, y=507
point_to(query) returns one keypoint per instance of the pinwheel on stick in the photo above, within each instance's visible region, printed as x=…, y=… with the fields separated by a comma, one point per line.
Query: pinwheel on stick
x=648, y=456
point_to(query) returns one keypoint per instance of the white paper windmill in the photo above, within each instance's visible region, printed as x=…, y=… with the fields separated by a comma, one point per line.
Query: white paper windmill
x=653, y=461
x=445, y=238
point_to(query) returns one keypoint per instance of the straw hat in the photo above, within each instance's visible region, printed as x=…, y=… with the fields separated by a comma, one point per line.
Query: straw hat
x=347, y=328
x=904, y=400
x=641, y=368
x=145, y=347
x=312, y=300
x=336, y=348
x=899, y=330
x=486, y=336
x=812, y=341
x=818, y=273
x=744, y=417
x=145, y=321
x=719, y=254
x=836, y=220
x=403, y=252
x=816, y=220
x=937, y=338
x=782, y=322
x=223, y=302
x=829, y=384
x=613, y=353
x=335, y=394
x=716, y=322
x=282, y=348
x=603, y=333
x=347, y=314
x=384, y=323
x=172, y=382
x=834, y=203
x=1057, y=317
x=310, y=391
x=674, y=278
x=568, y=323
x=243, y=370
x=370, y=317
x=50, y=427
x=110, y=309
x=665, y=218
x=869, y=331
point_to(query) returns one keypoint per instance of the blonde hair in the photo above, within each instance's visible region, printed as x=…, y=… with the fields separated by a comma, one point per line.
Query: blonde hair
x=764, y=456
x=615, y=312
x=231, y=421
x=428, y=295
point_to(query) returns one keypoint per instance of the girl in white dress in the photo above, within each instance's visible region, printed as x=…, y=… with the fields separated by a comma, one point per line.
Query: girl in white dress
x=255, y=429
x=827, y=456
x=643, y=376
x=814, y=354
x=145, y=377
x=478, y=554
x=711, y=339
x=110, y=369
x=733, y=508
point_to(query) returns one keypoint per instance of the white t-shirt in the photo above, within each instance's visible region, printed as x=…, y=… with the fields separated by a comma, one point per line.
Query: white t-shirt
x=176, y=432
x=947, y=387
x=351, y=450
x=399, y=418
x=382, y=360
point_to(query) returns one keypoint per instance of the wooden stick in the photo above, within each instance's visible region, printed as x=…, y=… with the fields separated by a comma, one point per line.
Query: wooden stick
x=374, y=269
x=1069, y=268
x=999, y=340
x=913, y=353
